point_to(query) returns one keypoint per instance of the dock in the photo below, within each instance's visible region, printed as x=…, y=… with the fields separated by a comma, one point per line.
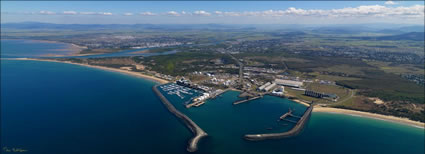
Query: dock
x=195, y=104
x=192, y=126
x=218, y=93
x=289, y=113
x=286, y=114
x=291, y=121
x=246, y=100
x=299, y=126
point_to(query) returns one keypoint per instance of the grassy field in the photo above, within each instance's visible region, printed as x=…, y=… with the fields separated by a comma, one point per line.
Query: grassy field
x=397, y=68
x=342, y=92
x=183, y=62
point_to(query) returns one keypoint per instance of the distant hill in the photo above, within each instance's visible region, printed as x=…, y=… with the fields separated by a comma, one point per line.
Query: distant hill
x=37, y=25
x=412, y=29
x=345, y=29
x=356, y=29
x=414, y=36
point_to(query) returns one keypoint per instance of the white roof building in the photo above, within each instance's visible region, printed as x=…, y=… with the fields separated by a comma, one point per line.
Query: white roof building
x=290, y=83
x=269, y=87
x=264, y=86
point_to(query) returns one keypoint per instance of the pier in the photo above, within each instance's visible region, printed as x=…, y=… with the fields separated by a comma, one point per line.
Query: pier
x=195, y=104
x=289, y=113
x=293, y=132
x=193, y=127
x=246, y=100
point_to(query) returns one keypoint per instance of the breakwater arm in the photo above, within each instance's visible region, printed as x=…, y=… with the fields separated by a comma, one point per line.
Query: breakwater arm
x=196, y=130
x=246, y=100
x=293, y=132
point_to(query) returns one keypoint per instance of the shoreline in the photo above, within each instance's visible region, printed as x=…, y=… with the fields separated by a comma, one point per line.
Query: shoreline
x=135, y=74
x=389, y=118
x=300, y=102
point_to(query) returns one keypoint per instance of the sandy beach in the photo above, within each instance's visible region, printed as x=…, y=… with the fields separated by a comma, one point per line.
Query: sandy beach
x=136, y=74
x=301, y=102
x=140, y=51
x=370, y=115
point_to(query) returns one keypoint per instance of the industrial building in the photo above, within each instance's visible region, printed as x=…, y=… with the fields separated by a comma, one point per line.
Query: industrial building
x=289, y=83
x=279, y=91
x=332, y=97
x=261, y=88
x=269, y=87
x=203, y=97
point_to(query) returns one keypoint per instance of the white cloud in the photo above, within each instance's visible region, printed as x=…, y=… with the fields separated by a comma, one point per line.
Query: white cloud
x=147, y=14
x=202, y=13
x=70, y=12
x=47, y=12
x=173, y=13
x=233, y=14
x=88, y=13
x=390, y=3
x=105, y=13
x=218, y=12
x=96, y=13
x=364, y=11
x=361, y=11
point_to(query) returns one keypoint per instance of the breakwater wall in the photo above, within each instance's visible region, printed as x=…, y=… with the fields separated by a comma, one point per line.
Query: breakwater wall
x=293, y=132
x=193, y=127
x=246, y=100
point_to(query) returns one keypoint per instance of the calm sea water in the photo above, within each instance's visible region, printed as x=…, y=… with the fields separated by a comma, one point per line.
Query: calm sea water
x=32, y=49
x=55, y=108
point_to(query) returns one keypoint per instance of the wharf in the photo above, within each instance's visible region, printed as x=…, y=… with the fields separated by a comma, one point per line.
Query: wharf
x=246, y=100
x=196, y=104
x=289, y=113
x=286, y=114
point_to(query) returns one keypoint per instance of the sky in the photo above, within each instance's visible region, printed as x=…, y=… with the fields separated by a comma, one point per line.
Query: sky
x=218, y=12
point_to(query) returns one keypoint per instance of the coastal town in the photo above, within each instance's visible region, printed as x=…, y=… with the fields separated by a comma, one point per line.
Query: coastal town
x=212, y=77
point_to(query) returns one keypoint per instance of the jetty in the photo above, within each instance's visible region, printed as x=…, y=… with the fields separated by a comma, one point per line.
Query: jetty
x=289, y=113
x=195, y=104
x=293, y=132
x=246, y=100
x=193, y=127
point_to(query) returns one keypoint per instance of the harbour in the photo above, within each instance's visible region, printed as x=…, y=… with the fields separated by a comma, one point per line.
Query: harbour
x=293, y=132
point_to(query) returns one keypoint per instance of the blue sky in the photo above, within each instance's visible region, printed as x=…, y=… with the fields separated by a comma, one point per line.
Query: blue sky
x=251, y=12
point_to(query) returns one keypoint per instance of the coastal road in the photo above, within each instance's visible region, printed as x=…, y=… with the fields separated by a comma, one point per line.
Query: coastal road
x=240, y=68
x=353, y=92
